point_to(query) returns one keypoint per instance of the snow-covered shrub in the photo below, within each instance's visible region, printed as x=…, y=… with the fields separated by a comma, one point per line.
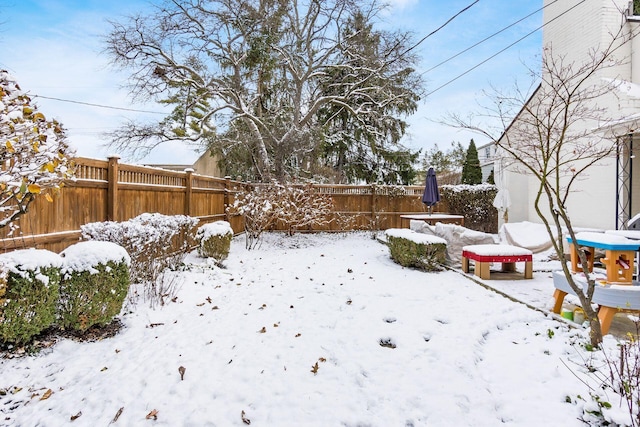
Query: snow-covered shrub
x=31, y=280
x=475, y=202
x=155, y=242
x=94, y=284
x=215, y=240
x=303, y=208
x=411, y=249
x=291, y=206
x=34, y=155
x=258, y=211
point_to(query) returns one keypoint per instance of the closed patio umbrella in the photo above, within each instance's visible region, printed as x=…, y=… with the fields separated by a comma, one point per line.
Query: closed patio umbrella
x=431, y=194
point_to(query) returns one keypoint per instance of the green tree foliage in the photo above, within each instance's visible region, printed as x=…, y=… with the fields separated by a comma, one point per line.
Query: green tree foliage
x=277, y=89
x=491, y=178
x=445, y=162
x=366, y=148
x=471, y=170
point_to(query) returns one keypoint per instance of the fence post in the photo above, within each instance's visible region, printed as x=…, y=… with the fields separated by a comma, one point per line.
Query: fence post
x=188, y=192
x=112, y=189
x=227, y=189
x=373, y=202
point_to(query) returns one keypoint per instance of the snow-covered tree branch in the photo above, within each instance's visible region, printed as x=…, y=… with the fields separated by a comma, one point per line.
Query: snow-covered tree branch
x=34, y=157
x=265, y=83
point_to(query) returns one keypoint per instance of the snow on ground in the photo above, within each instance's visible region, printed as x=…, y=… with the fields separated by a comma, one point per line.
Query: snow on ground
x=314, y=330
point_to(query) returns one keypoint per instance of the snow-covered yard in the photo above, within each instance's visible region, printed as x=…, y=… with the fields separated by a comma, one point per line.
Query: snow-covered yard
x=315, y=330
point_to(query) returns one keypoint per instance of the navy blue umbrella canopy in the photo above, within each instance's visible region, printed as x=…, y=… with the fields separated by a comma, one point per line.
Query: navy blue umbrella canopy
x=431, y=194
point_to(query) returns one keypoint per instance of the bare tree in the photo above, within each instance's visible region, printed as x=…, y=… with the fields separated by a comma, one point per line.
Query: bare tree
x=554, y=136
x=251, y=77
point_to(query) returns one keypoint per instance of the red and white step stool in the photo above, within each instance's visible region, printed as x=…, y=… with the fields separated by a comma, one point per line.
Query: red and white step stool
x=508, y=255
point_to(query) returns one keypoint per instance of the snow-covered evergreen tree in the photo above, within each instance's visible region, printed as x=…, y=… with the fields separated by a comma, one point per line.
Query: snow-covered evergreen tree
x=471, y=171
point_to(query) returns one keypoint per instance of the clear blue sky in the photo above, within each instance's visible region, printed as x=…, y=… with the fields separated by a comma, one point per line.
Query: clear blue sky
x=53, y=48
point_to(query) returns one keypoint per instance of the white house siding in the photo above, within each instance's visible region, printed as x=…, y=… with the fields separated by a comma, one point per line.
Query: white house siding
x=588, y=26
x=635, y=186
x=486, y=154
x=518, y=184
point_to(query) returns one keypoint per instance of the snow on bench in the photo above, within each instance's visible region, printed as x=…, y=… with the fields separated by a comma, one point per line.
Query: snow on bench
x=508, y=255
x=611, y=298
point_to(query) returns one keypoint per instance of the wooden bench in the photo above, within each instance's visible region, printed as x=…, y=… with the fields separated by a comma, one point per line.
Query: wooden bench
x=611, y=299
x=508, y=255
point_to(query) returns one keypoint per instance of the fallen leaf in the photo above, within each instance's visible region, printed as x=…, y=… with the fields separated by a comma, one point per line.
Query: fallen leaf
x=275, y=325
x=263, y=330
x=315, y=368
x=76, y=416
x=153, y=325
x=215, y=307
x=47, y=394
x=200, y=305
x=103, y=369
x=245, y=420
x=181, y=369
x=153, y=415
x=118, y=415
x=322, y=359
x=297, y=335
x=209, y=300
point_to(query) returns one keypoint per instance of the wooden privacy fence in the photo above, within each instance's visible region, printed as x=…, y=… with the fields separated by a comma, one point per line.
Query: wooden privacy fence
x=371, y=207
x=113, y=191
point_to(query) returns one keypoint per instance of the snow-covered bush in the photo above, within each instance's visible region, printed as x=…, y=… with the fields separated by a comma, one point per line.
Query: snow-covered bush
x=31, y=280
x=34, y=156
x=291, y=206
x=475, y=202
x=94, y=284
x=302, y=208
x=256, y=207
x=155, y=242
x=215, y=240
x=411, y=249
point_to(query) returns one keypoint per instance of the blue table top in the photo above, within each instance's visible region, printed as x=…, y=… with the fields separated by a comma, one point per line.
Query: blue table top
x=631, y=245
